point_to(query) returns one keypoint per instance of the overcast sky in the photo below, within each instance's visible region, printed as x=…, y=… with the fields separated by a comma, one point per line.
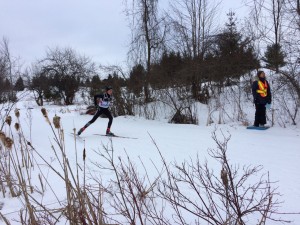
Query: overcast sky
x=95, y=28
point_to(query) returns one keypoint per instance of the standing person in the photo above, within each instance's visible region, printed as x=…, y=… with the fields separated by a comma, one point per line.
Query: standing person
x=102, y=102
x=262, y=96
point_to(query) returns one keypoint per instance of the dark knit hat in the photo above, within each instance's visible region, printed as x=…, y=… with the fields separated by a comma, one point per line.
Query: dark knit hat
x=108, y=88
x=259, y=73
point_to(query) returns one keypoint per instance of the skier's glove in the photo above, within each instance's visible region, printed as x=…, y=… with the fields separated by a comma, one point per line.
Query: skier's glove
x=268, y=106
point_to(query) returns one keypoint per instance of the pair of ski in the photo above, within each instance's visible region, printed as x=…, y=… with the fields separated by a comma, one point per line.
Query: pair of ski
x=104, y=135
x=117, y=136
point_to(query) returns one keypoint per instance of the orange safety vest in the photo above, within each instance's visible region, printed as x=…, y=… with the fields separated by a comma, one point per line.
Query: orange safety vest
x=263, y=88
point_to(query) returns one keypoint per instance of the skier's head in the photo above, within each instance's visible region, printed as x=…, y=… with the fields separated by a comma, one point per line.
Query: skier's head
x=261, y=74
x=108, y=90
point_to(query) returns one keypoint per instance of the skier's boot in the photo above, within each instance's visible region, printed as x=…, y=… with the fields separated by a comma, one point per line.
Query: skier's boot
x=80, y=131
x=83, y=128
x=109, y=133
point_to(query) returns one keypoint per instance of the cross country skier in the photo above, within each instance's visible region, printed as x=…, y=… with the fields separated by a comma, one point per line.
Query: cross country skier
x=102, y=102
x=262, y=96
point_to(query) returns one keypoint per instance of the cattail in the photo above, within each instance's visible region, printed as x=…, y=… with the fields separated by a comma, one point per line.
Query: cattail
x=84, y=154
x=45, y=114
x=2, y=137
x=8, y=120
x=17, y=113
x=8, y=143
x=224, y=177
x=17, y=126
x=56, y=121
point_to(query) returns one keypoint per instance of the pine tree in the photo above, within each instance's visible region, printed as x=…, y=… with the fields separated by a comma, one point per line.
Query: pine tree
x=95, y=85
x=7, y=84
x=19, y=85
x=274, y=57
x=136, y=79
x=234, y=54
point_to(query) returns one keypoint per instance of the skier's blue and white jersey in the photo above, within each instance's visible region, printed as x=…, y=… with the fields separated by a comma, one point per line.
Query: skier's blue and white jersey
x=103, y=100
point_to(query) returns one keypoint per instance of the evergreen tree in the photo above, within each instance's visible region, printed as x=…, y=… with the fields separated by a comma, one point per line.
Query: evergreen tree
x=274, y=57
x=95, y=85
x=234, y=54
x=7, y=84
x=166, y=72
x=87, y=82
x=136, y=79
x=19, y=85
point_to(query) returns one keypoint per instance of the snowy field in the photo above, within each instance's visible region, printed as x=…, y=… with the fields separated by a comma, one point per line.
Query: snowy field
x=276, y=149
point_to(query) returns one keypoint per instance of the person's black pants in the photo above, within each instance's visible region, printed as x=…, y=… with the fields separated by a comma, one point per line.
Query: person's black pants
x=104, y=111
x=99, y=112
x=260, y=115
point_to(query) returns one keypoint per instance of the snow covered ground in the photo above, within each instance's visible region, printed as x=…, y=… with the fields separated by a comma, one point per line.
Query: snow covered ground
x=276, y=149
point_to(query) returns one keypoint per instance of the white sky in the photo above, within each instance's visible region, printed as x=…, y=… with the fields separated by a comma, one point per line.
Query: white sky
x=95, y=28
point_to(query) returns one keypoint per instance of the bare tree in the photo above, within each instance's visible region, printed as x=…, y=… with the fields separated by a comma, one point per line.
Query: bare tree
x=148, y=34
x=192, y=25
x=65, y=69
x=8, y=69
x=267, y=16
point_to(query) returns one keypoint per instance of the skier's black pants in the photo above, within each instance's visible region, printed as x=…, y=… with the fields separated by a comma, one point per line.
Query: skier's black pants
x=100, y=111
x=260, y=114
